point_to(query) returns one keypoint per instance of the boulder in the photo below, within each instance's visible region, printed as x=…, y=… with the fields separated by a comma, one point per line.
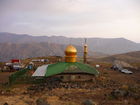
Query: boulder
x=89, y=102
x=41, y=101
x=5, y=103
x=119, y=93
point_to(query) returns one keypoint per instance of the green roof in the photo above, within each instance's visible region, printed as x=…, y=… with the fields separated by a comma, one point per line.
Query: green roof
x=65, y=67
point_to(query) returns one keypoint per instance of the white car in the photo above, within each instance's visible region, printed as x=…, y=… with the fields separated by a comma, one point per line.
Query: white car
x=126, y=71
x=17, y=67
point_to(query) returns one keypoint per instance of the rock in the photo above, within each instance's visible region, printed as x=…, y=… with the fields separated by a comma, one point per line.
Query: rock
x=6, y=103
x=89, y=102
x=134, y=95
x=126, y=102
x=29, y=102
x=119, y=93
x=40, y=101
x=125, y=87
x=2, y=92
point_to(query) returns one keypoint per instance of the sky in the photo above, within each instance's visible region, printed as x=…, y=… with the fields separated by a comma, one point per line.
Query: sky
x=72, y=18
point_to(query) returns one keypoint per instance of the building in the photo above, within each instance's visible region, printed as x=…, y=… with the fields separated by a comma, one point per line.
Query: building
x=70, y=70
x=15, y=61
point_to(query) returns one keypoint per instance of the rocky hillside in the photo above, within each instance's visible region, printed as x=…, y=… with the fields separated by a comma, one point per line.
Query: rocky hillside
x=102, y=45
x=28, y=50
x=131, y=57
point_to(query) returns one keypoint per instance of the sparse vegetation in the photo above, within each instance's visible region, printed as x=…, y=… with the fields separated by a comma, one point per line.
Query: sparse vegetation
x=100, y=91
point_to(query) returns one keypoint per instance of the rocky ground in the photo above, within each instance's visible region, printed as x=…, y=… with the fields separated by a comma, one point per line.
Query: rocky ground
x=110, y=88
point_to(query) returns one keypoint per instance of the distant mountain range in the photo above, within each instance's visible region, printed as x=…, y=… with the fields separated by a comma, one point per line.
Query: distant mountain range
x=42, y=49
x=29, y=50
x=24, y=46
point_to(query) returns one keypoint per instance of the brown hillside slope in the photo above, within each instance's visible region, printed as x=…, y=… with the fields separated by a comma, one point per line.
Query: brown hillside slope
x=131, y=57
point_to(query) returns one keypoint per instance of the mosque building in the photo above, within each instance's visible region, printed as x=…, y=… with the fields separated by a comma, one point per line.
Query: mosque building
x=69, y=70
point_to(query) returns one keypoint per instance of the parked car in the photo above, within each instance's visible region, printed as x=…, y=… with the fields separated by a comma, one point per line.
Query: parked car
x=126, y=71
x=17, y=67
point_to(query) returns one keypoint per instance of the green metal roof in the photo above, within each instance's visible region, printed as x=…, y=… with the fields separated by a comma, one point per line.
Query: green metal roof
x=65, y=67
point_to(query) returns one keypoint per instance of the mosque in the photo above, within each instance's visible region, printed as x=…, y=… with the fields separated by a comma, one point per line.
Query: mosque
x=70, y=69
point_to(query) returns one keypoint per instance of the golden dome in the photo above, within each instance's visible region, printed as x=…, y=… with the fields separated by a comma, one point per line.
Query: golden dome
x=71, y=54
x=70, y=50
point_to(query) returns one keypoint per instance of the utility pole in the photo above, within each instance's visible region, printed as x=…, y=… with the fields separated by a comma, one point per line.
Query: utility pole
x=85, y=51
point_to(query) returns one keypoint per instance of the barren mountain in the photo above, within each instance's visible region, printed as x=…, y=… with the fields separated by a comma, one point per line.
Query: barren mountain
x=131, y=57
x=27, y=50
x=102, y=45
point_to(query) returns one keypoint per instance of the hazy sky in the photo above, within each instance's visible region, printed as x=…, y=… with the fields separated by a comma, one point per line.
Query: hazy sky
x=73, y=18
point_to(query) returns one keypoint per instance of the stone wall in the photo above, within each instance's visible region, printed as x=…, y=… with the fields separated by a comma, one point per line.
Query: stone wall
x=75, y=77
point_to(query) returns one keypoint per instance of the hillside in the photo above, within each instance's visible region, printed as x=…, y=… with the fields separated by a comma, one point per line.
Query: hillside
x=109, y=88
x=27, y=50
x=131, y=57
x=103, y=45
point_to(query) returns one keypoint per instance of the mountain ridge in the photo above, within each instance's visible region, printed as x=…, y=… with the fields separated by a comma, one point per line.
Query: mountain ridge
x=13, y=43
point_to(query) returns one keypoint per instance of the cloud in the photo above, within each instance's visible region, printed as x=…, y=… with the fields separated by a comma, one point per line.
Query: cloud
x=104, y=18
